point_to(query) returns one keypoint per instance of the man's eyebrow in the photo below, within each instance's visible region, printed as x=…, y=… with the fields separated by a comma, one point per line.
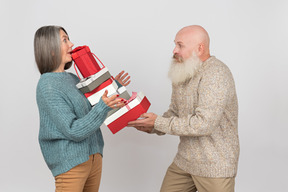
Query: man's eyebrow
x=178, y=42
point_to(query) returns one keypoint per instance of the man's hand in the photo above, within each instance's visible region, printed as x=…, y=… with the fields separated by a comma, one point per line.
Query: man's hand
x=146, y=124
x=123, y=79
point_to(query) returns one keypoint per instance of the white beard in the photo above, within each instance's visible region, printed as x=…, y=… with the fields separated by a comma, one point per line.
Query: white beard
x=179, y=72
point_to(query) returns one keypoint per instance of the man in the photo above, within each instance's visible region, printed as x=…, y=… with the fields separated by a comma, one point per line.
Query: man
x=204, y=113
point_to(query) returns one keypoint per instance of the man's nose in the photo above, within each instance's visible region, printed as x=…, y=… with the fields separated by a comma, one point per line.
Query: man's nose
x=175, y=50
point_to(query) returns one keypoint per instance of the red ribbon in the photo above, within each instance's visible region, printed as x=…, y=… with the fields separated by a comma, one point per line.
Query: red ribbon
x=134, y=95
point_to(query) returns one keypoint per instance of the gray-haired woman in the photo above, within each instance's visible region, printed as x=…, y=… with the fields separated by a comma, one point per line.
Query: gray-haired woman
x=70, y=137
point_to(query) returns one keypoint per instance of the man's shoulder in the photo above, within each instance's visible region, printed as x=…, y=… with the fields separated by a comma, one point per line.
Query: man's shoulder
x=214, y=62
x=215, y=65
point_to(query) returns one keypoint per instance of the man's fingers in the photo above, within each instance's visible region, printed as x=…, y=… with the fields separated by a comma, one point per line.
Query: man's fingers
x=137, y=123
x=145, y=115
x=144, y=129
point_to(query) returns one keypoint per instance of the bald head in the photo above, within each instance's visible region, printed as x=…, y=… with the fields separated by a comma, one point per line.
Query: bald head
x=196, y=34
x=193, y=38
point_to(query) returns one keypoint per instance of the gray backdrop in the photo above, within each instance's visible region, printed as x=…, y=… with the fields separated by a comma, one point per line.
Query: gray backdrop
x=250, y=36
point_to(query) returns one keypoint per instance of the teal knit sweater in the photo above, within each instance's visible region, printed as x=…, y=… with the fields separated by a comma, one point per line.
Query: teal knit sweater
x=69, y=127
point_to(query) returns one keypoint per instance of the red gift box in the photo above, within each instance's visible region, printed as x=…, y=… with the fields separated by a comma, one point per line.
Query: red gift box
x=129, y=112
x=85, y=61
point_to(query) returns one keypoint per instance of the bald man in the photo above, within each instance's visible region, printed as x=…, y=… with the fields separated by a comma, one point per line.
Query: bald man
x=204, y=113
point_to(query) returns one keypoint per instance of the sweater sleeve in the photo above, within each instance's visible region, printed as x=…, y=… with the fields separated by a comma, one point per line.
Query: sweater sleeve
x=171, y=112
x=118, y=84
x=214, y=93
x=59, y=113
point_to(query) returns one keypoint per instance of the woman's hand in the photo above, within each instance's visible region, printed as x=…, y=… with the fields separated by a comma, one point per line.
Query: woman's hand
x=123, y=79
x=112, y=101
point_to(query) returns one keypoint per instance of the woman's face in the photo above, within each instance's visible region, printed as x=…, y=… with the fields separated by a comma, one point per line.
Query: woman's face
x=66, y=48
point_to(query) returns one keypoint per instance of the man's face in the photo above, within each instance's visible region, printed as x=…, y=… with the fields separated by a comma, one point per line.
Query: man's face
x=184, y=46
x=179, y=72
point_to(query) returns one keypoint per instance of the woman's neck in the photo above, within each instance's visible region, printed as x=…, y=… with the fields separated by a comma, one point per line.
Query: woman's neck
x=60, y=69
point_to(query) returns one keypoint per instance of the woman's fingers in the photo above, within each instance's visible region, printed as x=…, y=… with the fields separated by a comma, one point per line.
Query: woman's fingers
x=105, y=93
x=126, y=81
x=113, y=101
x=119, y=75
x=123, y=78
x=116, y=103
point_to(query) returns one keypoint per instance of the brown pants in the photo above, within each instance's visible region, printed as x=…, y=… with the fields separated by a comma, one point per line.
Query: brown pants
x=177, y=180
x=82, y=178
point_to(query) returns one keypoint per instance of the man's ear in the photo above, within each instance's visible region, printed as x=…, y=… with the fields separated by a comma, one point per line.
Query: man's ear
x=201, y=49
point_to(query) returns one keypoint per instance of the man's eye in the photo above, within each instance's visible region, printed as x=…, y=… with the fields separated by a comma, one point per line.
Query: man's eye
x=64, y=40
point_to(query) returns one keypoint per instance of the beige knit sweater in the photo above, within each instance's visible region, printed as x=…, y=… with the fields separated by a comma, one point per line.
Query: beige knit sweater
x=204, y=113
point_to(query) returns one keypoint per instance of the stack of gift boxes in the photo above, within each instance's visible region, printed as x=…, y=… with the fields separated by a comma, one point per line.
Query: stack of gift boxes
x=96, y=79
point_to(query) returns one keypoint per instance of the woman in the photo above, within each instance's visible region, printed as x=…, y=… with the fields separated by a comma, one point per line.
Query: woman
x=70, y=137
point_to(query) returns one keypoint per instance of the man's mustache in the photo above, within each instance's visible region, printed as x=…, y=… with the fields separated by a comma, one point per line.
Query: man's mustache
x=178, y=58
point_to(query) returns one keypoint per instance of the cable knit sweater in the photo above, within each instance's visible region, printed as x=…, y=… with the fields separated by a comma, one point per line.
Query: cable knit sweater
x=204, y=113
x=69, y=128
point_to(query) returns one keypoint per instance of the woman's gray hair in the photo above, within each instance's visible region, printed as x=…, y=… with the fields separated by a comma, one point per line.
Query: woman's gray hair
x=47, y=49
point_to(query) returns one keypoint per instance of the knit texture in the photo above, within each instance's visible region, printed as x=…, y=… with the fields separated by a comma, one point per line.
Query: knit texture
x=69, y=127
x=204, y=113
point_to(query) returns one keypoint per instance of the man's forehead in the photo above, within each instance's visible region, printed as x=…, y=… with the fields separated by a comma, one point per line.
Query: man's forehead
x=178, y=40
x=181, y=38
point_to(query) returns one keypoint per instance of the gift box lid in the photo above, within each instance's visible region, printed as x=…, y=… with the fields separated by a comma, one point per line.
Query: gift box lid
x=126, y=108
x=80, y=50
x=93, y=82
x=88, y=80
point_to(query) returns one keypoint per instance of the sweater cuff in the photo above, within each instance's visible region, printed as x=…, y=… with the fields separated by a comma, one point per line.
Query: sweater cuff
x=119, y=84
x=162, y=124
x=102, y=106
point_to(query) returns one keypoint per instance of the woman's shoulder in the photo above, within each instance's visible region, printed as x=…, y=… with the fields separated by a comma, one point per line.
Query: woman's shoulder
x=57, y=77
x=60, y=82
x=52, y=80
x=73, y=76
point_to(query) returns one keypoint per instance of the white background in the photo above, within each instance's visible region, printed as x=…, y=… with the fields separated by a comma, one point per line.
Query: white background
x=250, y=36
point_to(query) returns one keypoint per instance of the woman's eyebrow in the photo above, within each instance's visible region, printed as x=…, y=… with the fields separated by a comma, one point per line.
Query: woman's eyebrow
x=65, y=36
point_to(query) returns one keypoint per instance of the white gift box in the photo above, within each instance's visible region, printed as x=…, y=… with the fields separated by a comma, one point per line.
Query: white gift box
x=97, y=93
